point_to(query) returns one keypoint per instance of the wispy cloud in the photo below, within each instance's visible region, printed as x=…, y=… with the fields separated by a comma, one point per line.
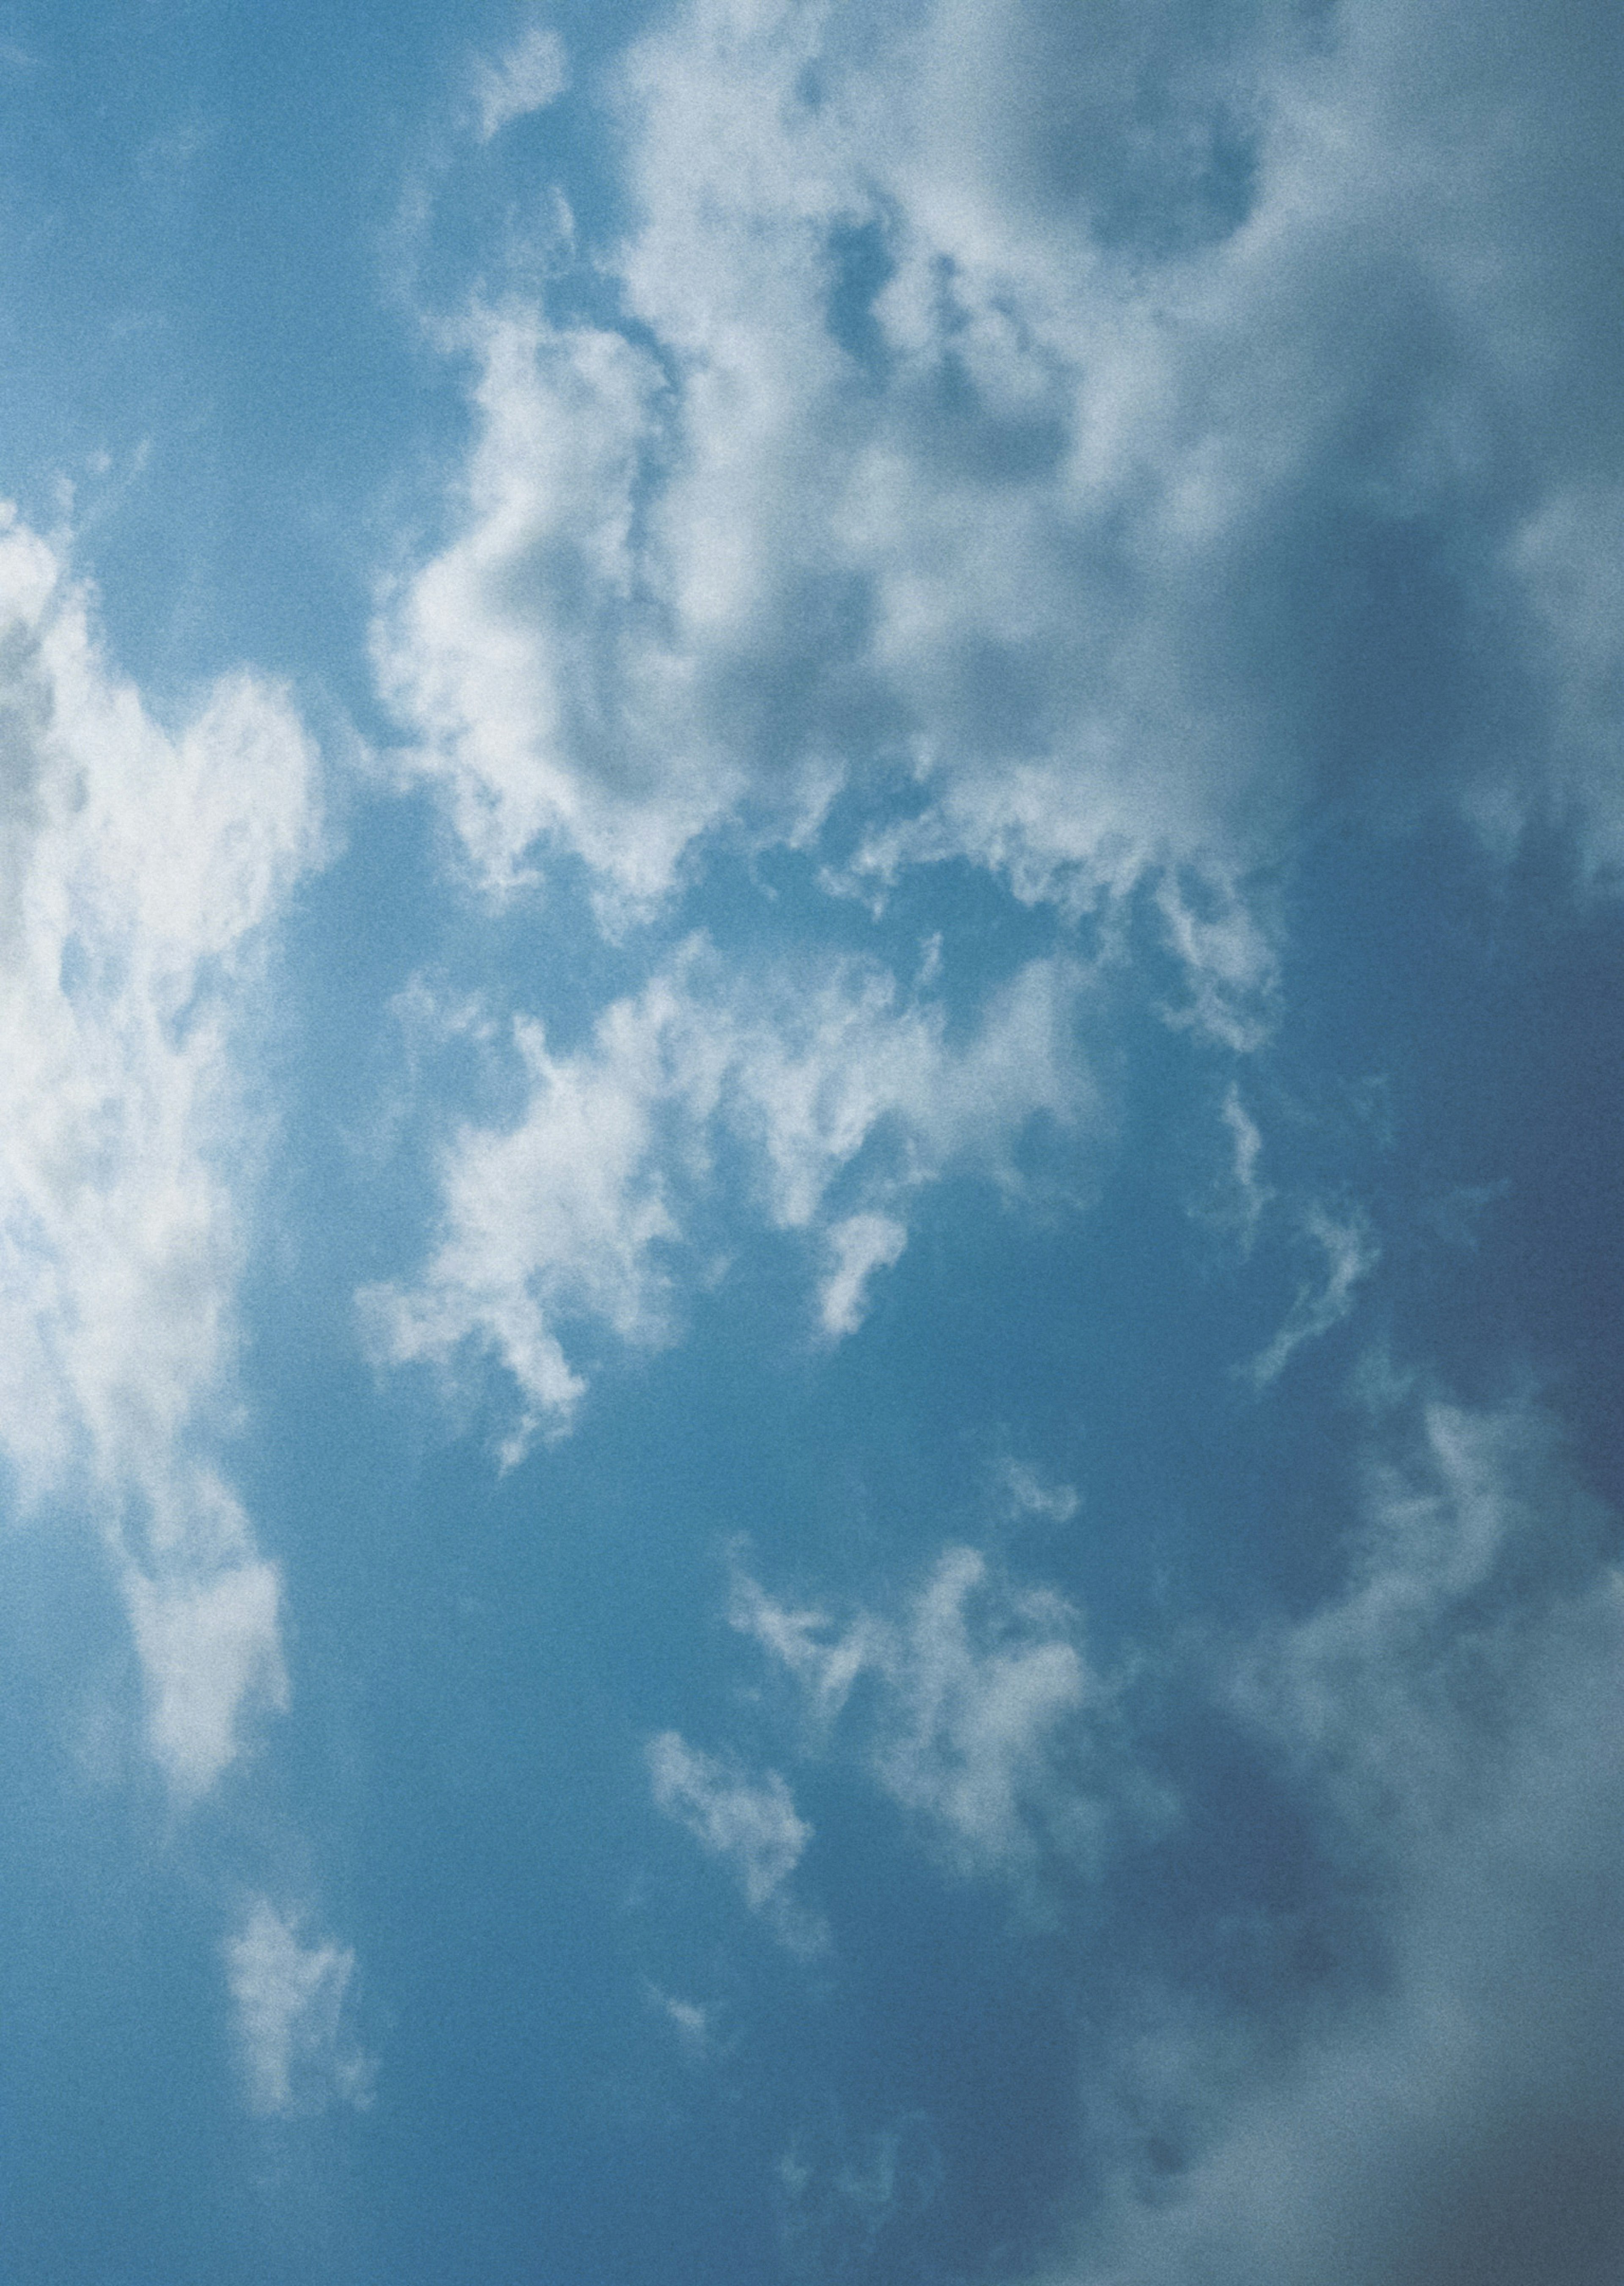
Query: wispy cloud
x=1031, y=1490
x=1444, y=2103
x=750, y=1823
x=859, y=1246
x=578, y=1216
x=1349, y=1254
x=290, y=2001
x=526, y=77
x=841, y=2193
x=981, y=1717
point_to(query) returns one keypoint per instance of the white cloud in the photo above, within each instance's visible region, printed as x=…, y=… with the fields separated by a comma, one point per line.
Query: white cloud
x=750, y=1823
x=570, y=1222
x=528, y=78
x=980, y=1714
x=289, y=1999
x=859, y=1246
x=209, y=1644
x=982, y=1699
x=1252, y=1196
x=140, y=874
x=692, y=2023
x=1084, y=483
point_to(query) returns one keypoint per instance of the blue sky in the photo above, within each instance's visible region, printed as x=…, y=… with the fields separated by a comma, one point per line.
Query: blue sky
x=810, y=1210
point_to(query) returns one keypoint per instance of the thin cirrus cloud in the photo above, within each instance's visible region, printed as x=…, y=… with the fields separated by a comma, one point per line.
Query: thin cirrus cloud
x=1350, y=1255
x=143, y=873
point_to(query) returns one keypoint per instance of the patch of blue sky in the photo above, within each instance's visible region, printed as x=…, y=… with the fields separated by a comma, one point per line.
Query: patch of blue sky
x=816, y=1451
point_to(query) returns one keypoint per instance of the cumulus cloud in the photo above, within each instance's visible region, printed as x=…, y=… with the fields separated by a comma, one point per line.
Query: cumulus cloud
x=1099, y=437
x=290, y=2001
x=571, y=1221
x=750, y=1823
x=140, y=872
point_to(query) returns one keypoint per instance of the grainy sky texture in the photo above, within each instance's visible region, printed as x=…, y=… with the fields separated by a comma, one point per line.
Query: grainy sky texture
x=812, y=1144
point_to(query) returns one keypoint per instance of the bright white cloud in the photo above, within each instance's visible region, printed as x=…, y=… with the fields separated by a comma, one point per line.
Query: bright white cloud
x=571, y=1221
x=141, y=871
x=858, y=1247
x=289, y=1999
x=209, y=1645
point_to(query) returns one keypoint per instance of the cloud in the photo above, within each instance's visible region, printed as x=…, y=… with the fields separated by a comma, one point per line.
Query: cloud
x=573, y=1220
x=209, y=1646
x=1099, y=442
x=1252, y=1197
x=840, y=2194
x=140, y=874
x=1031, y=1491
x=978, y=1715
x=860, y=1246
x=1443, y=2105
x=526, y=77
x=749, y=1823
x=1351, y=1254
x=290, y=1999
x=693, y=2024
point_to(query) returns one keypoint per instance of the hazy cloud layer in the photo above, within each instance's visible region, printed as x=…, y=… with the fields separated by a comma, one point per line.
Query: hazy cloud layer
x=1449, y=2110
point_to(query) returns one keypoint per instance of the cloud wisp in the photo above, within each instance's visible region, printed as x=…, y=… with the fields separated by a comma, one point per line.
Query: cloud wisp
x=525, y=78
x=749, y=1823
x=290, y=2002
x=574, y=1218
x=975, y=1710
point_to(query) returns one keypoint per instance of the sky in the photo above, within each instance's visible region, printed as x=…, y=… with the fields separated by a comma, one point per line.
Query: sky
x=811, y=1193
